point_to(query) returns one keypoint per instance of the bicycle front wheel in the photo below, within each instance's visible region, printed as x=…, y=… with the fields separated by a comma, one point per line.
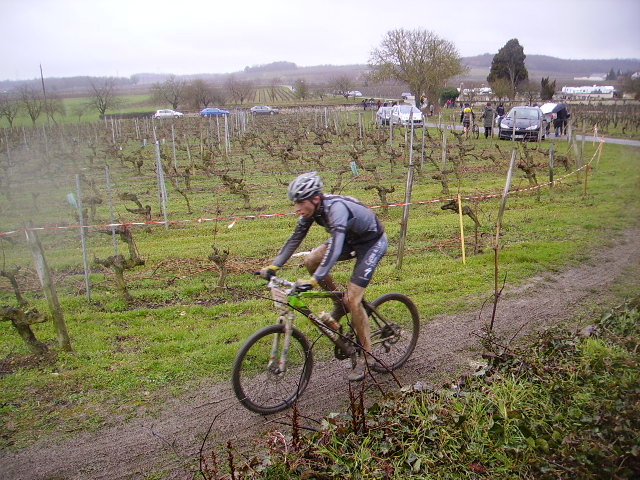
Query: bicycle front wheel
x=261, y=383
x=395, y=325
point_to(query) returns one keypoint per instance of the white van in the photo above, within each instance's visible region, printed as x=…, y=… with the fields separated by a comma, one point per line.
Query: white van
x=405, y=114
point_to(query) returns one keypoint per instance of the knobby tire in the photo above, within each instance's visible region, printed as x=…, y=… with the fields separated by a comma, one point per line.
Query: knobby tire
x=262, y=390
x=394, y=344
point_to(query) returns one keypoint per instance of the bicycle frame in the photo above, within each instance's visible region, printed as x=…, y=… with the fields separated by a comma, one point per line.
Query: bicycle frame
x=286, y=303
x=274, y=365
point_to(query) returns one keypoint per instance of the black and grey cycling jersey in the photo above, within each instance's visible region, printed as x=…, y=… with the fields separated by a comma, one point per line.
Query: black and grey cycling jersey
x=352, y=226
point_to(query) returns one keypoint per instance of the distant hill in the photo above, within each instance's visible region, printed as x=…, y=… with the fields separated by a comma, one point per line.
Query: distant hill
x=562, y=70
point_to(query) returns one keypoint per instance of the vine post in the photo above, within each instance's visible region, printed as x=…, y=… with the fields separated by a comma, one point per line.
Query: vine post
x=464, y=259
x=551, y=162
x=407, y=202
x=496, y=245
x=44, y=274
x=83, y=238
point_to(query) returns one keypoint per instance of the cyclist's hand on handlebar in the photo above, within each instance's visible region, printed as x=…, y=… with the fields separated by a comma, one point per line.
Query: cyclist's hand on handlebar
x=268, y=272
x=304, y=285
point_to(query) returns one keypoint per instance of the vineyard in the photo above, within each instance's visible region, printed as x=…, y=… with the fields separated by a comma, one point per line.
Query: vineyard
x=177, y=214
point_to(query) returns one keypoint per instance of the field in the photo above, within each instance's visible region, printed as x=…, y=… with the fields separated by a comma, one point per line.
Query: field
x=186, y=310
x=143, y=104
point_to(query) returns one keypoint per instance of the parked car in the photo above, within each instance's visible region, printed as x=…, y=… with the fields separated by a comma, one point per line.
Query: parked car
x=213, y=112
x=166, y=113
x=405, y=114
x=264, y=110
x=354, y=93
x=529, y=122
x=383, y=115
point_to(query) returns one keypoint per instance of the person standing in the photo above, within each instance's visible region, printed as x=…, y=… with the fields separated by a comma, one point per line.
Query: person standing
x=488, y=117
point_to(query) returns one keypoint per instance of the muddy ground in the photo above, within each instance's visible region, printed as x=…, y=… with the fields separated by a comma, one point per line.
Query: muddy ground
x=167, y=445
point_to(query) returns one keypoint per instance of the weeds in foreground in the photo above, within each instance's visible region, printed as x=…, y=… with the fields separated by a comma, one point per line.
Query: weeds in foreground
x=567, y=407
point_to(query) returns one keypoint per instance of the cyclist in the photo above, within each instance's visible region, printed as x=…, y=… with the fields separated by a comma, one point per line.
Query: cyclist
x=466, y=117
x=355, y=232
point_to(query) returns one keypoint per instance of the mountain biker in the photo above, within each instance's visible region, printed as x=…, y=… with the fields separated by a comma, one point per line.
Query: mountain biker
x=355, y=232
x=466, y=116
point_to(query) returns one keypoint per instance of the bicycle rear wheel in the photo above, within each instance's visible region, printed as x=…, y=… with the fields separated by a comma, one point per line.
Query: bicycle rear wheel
x=261, y=385
x=475, y=132
x=395, y=325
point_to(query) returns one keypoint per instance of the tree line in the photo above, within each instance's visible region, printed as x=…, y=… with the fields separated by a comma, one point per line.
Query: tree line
x=417, y=58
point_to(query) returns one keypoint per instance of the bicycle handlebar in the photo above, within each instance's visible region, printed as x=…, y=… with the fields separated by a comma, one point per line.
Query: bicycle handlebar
x=280, y=282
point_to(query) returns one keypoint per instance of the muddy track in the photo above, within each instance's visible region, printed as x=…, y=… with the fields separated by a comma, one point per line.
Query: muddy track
x=170, y=441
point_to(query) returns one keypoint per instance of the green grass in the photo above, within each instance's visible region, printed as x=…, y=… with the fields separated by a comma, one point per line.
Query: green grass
x=563, y=408
x=179, y=330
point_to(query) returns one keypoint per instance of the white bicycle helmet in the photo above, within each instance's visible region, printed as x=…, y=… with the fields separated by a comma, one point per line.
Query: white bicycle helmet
x=304, y=186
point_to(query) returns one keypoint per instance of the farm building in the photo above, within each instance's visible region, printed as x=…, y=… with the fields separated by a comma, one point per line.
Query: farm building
x=586, y=92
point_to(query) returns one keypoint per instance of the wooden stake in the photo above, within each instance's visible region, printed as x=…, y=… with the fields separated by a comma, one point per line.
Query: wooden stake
x=496, y=246
x=464, y=261
x=44, y=274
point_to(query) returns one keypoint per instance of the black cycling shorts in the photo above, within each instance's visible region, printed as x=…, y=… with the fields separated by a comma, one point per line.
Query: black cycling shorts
x=367, y=256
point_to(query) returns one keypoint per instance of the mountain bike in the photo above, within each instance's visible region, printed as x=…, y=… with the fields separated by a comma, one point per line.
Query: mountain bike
x=475, y=131
x=273, y=367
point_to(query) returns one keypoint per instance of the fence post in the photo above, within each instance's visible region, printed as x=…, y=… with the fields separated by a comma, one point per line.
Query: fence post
x=496, y=246
x=173, y=147
x=111, y=215
x=407, y=202
x=551, y=162
x=444, y=145
x=83, y=240
x=464, y=258
x=44, y=274
x=162, y=187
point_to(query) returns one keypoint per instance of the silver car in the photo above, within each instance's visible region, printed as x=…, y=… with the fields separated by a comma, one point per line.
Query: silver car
x=167, y=113
x=263, y=110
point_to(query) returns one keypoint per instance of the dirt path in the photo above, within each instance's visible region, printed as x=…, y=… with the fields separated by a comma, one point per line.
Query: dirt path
x=170, y=442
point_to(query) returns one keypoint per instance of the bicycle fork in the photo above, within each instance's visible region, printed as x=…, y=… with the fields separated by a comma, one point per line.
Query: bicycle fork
x=278, y=364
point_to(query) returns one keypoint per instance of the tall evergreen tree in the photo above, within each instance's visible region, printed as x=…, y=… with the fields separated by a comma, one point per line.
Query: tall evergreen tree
x=508, y=64
x=547, y=89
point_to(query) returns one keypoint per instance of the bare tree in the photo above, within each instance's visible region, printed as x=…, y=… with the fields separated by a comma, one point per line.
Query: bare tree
x=342, y=85
x=320, y=91
x=418, y=58
x=9, y=107
x=501, y=88
x=239, y=90
x=54, y=106
x=103, y=96
x=301, y=89
x=31, y=100
x=531, y=90
x=200, y=94
x=171, y=91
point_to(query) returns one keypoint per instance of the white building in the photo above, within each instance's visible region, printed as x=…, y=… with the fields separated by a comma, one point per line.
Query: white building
x=585, y=92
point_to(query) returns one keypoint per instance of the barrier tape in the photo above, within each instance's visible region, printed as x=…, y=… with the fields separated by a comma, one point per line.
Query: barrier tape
x=235, y=218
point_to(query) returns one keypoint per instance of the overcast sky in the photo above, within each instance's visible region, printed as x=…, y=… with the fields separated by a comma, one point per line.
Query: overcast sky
x=123, y=37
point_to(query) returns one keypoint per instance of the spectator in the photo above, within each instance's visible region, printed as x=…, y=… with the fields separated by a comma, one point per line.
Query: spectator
x=466, y=117
x=488, y=116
